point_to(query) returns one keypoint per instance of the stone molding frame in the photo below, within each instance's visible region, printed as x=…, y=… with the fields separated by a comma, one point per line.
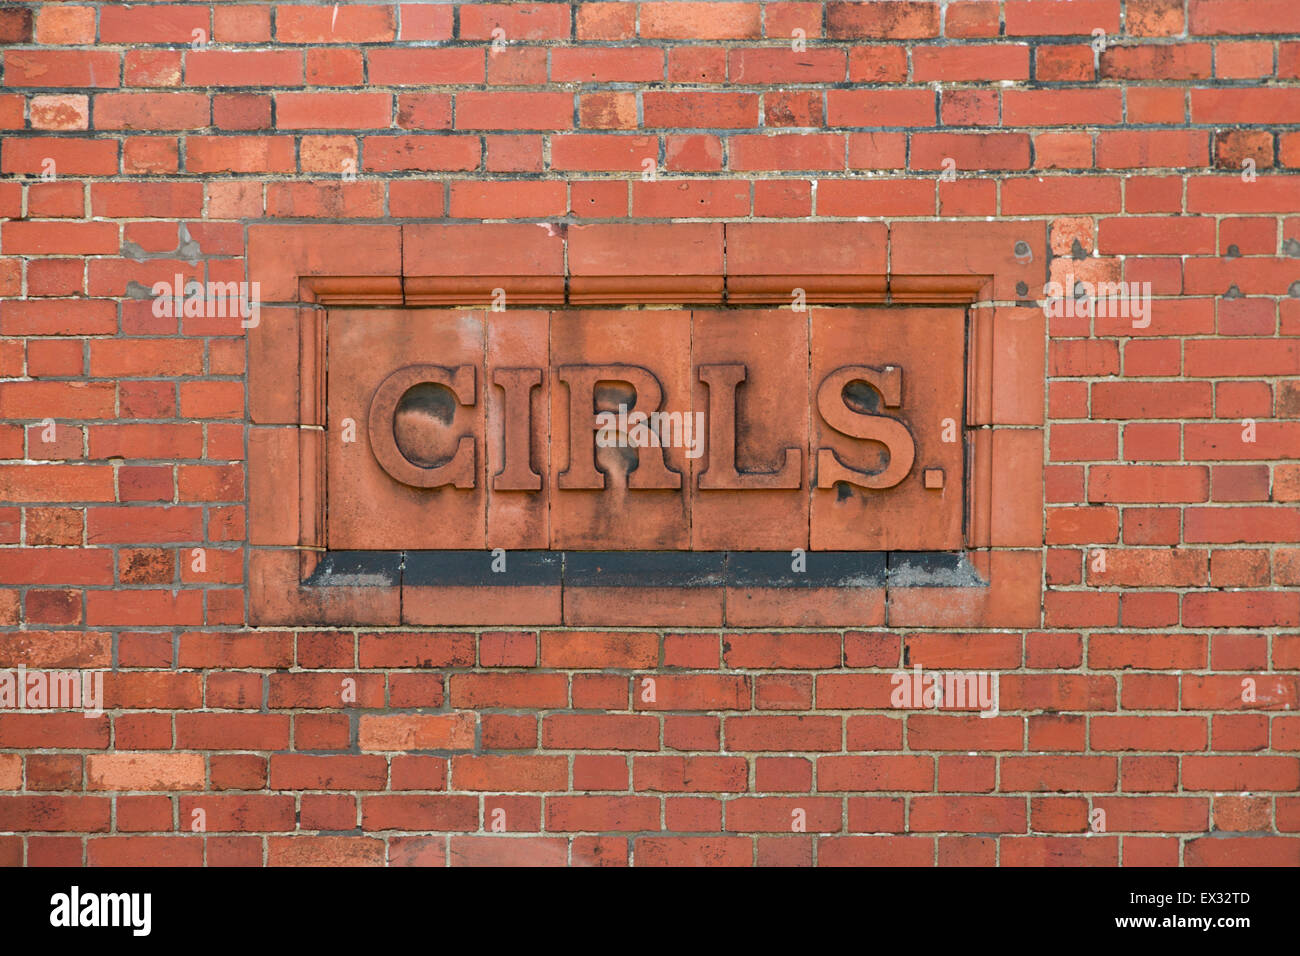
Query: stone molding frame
x=995, y=270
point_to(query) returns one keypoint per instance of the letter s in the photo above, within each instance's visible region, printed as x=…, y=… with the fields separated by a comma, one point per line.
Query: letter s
x=842, y=417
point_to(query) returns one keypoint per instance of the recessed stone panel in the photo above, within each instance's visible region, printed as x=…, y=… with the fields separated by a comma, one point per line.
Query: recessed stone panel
x=821, y=428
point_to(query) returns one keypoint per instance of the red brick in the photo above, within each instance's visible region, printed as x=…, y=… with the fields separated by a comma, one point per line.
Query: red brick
x=699, y=21
x=891, y=19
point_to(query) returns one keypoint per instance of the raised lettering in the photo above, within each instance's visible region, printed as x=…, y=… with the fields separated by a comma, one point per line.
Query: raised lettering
x=839, y=415
x=721, y=471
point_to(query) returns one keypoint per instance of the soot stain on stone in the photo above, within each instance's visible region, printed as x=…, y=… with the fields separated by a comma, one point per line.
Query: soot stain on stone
x=430, y=400
x=423, y=413
x=862, y=398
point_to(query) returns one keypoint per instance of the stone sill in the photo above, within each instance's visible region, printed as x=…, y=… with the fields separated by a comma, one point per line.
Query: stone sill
x=644, y=569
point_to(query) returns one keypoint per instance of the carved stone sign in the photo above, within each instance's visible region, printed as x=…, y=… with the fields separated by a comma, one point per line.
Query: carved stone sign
x=726, y=429
x=669, y=424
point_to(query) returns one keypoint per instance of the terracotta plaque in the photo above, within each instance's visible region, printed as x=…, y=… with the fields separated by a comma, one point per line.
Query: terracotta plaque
x=830, y=428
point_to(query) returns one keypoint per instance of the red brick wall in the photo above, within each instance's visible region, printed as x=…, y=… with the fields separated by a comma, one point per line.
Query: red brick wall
x=1126, y=697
